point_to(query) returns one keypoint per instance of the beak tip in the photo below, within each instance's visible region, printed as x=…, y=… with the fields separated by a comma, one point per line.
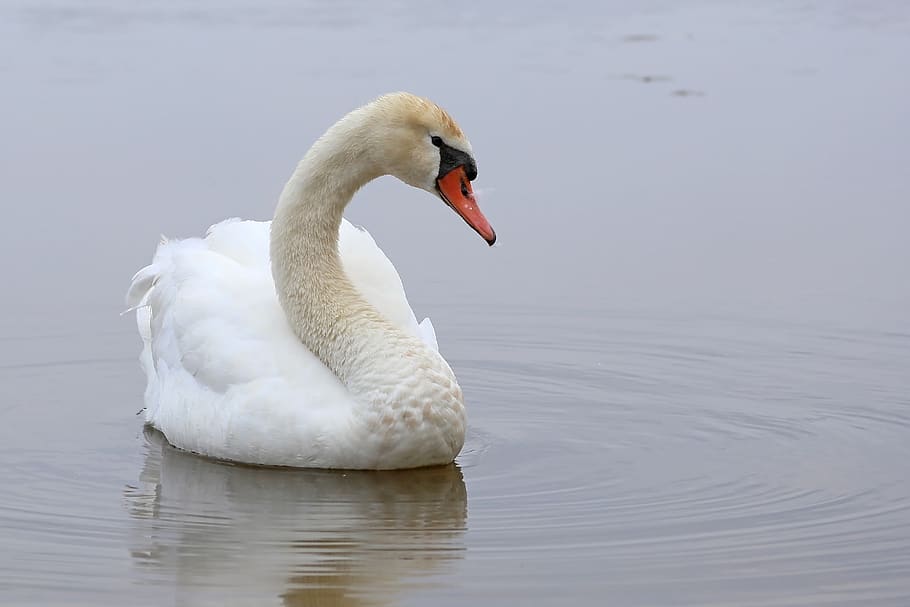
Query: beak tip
x=492, y=239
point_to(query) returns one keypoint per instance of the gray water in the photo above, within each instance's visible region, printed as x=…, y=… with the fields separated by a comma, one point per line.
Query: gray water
x=687, y=366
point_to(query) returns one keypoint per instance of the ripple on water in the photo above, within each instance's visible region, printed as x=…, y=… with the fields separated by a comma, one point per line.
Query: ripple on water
x=647, y=461
x=58, y=520
x=714, y=456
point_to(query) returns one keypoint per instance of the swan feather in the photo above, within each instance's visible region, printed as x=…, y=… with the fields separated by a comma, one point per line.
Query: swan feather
x=221, y=362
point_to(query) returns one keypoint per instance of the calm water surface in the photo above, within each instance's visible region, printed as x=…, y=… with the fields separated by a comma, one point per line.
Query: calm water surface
x=687, y=365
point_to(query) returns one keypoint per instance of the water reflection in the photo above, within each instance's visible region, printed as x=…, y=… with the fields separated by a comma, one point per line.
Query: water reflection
x=231, y=533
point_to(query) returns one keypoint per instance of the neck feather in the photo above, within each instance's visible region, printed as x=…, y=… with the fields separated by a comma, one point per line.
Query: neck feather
x=324, y=308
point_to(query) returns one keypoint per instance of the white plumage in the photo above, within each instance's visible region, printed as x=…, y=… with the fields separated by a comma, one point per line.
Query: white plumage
x=330, y=368
x=226, y=375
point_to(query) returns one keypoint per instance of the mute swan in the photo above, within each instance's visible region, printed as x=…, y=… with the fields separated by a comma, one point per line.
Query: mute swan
x=291, y=342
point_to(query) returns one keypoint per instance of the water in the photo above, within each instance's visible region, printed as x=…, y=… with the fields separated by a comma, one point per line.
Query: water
x=687, y=367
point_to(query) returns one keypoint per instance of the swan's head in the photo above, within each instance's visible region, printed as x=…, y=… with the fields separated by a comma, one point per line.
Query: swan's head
x=424, y=147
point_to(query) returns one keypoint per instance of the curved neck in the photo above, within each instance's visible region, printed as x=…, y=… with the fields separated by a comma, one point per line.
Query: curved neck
x=324, y=308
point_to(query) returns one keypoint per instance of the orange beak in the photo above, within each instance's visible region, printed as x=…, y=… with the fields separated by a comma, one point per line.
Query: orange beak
x=455, y=189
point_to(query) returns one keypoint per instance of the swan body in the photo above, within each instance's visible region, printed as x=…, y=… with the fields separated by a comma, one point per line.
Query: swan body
x=291, y=342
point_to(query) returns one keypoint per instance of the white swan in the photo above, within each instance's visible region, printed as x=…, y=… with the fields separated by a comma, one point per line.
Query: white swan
x=314, y=359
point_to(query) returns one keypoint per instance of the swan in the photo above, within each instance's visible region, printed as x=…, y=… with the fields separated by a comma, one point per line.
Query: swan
x=291, y=342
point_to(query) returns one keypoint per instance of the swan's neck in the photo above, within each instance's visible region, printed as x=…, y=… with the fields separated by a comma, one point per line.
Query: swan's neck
x=367, y=353
x=324, y=308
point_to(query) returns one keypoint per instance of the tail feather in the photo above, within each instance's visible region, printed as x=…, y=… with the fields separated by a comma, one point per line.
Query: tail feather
x=140, y=286
x=137, y=298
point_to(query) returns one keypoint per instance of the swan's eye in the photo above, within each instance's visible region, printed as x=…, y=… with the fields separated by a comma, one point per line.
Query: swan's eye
x=436, y=140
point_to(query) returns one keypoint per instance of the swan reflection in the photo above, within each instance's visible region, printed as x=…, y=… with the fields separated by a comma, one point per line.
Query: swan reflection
x=234, y=535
